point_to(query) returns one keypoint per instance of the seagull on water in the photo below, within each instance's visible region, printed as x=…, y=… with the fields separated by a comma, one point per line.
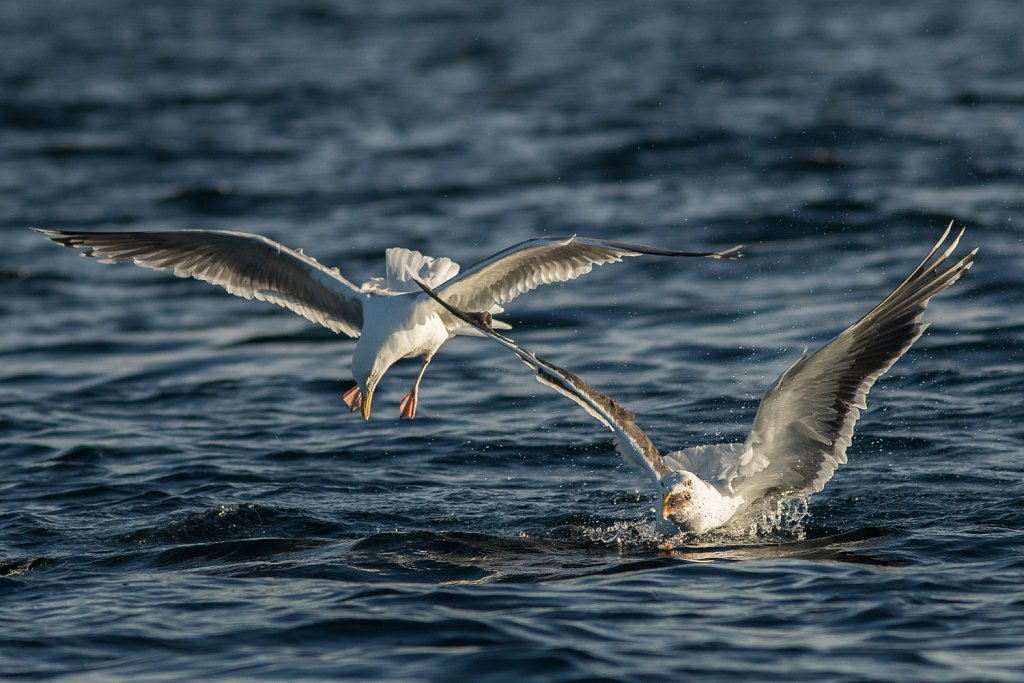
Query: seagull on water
x=804, y=423
x=391, y=317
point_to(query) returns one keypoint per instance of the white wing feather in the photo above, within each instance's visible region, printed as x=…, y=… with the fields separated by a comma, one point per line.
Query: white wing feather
x=714, y=463
x=530, y=264
x=246, y=265
x=405, y=266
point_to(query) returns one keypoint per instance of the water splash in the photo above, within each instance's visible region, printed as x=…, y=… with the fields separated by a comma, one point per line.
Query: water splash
x=774, y=521
x=624, y=535
x=780, y=516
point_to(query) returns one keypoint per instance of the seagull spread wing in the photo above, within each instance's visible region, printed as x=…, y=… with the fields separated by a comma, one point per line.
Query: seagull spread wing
x=530, y=264
x=249, y=266
x=632, y=440
x=805, y=422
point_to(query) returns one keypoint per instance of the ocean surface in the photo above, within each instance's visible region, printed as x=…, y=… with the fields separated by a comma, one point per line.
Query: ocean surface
x=184, y=495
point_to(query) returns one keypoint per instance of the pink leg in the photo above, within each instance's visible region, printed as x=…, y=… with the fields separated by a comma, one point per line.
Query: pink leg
x=353, y=398
x=408, y=407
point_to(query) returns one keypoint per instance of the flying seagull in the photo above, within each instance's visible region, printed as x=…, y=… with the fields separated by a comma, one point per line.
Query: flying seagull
x=389, y=315
x=804, y=423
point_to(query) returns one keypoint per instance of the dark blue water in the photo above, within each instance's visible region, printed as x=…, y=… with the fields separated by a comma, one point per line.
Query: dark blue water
x=184, y=495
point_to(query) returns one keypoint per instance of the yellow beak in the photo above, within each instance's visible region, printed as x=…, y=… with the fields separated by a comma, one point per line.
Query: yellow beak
x=366, y=402
x=665, y=505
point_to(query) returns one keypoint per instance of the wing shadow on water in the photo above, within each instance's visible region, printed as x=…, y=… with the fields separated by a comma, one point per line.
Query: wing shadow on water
x=834, y=547
x=474, y=558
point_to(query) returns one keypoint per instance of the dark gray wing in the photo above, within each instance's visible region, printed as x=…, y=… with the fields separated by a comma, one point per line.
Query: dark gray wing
x=805, y=422
x=632, y=440
x=530, y=264
x=249, y=266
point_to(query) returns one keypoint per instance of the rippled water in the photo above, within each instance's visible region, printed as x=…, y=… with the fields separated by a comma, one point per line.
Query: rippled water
x=184, y=495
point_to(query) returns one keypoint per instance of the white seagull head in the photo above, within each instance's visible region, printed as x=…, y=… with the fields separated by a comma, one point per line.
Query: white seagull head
x=692, y=504
x=368, y=367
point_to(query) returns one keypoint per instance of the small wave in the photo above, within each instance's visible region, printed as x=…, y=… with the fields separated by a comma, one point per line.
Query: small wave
x=9, y=568
x=247, y=550
x=232, y=522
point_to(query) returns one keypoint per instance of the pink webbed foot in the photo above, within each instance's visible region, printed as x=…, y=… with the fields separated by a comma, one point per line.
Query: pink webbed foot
x=408, y=406
x=353, y=398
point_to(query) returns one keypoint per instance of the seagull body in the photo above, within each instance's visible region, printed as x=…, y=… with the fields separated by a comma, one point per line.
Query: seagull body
x=389, y=315
x=804, y=423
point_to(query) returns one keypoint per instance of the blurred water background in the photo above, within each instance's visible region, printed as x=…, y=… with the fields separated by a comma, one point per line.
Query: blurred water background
x=184, y=497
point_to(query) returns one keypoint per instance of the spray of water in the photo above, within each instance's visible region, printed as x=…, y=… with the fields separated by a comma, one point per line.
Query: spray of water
x=773, y=521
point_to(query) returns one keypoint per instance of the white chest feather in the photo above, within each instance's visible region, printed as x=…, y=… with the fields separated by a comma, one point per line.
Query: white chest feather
x=402, y=327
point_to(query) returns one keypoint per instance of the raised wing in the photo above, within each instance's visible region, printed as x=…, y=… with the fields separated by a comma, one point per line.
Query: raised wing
x=632, y=440
x=249, y=266
x=805, y=422
x=525, y=266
